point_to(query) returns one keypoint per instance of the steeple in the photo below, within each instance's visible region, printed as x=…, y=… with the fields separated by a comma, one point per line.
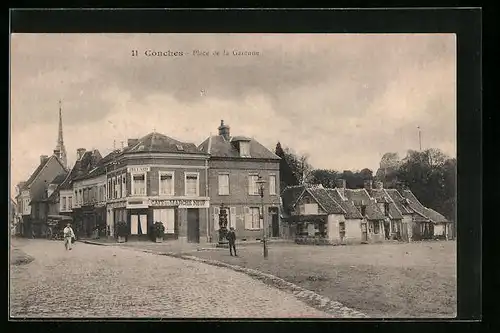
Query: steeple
x=60, y=150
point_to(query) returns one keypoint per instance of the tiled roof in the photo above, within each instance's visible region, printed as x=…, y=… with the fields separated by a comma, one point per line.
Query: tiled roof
x=398, y=200
x=360, y=196
x=351, y=211
x=37, y=171
x=81, y=167
x=159, y=143
x=59, y=178
x=217, y=146
x=417, y=206
x=326, y=201
x=381, y=195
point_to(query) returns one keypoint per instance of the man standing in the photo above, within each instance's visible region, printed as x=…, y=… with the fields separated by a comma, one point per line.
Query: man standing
x=68, y=236
x=231, y=237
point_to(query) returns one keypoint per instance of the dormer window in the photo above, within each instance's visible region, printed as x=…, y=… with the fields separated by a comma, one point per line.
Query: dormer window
x=244, y=149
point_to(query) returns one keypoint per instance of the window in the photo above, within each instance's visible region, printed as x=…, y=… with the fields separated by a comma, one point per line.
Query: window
x=224, y=184
x=63, y=201
x=139, y=184
x=244, y=149
x=119, y=186
x=80, y=197
x=272, y=185
x=310, y=208
x=167, y=217
x=253, y=186
x=376, y=227
x=124, y=185
x=109, y=188
x=166, y=183
x=342, y=229
x=70, y=202
x=191, y=184
x=115, y=188
x=252, y=218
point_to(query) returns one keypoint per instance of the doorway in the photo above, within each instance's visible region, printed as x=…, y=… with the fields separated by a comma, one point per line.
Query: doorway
x=275, y=223
x=364, y=233
x=193, y=225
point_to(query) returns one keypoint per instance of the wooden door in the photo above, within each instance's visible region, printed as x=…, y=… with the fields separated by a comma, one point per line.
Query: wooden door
x=193, y=225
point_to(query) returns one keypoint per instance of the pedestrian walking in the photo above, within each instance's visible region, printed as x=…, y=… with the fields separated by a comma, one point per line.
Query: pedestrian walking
x=68, y=236
x=231, y=237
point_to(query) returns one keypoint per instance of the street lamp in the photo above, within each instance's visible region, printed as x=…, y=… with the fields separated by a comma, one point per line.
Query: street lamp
x=260, y=182
x=222, y=225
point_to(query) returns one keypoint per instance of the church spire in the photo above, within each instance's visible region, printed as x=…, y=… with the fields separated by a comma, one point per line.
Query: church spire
x=60, y=150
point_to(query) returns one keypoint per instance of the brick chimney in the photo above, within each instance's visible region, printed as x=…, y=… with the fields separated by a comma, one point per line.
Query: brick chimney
x=80, y=152
x=43, y=159
x=224, y=130
x=369, y=186
x=363, y=208
x=132, y=142
x=378, y=185
x=340, y=184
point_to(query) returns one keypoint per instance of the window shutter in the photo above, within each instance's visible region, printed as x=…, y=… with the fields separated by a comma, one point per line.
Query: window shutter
x=261, y=218
x=248, y=218
x=233, y=217
x=216, y=218
x=250, y=183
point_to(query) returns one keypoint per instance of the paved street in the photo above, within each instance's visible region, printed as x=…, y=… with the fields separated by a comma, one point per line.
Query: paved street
x=99, y=281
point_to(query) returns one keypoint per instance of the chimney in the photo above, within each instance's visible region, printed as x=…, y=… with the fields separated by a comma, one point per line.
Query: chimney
x=43, y=159
x=340, y=184
x=378, y=185
x=224, y=130
x=386, y=208
x=79, y=153
x=57, y=152
x=369, y=186
x=132, y=142
x=363, y=208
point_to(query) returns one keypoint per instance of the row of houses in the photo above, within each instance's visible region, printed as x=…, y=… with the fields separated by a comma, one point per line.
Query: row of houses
x=318, y=215
x=157, y=179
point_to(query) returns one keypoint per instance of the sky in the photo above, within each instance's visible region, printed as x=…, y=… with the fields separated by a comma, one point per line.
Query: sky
x=341, y=99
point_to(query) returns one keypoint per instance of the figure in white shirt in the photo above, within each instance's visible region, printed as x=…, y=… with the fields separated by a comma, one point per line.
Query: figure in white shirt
x=68, y=236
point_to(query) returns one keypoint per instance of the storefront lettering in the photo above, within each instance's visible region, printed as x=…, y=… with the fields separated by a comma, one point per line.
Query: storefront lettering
x=180, y=203
x=138, y=169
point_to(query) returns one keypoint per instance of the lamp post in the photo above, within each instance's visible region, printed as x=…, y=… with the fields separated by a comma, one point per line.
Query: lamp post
x=261, y=183
x=222, y=226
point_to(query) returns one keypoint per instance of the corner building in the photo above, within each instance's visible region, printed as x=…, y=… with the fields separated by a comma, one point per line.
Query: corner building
x=159, y=179
x=235, y=164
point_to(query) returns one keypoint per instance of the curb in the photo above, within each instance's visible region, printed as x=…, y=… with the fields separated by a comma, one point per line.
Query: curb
x=334, y=308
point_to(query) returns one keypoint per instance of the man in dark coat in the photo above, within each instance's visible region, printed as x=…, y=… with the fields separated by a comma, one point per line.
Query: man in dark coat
x=231, y=237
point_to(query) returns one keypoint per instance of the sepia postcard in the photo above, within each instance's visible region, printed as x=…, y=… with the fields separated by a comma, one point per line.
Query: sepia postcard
x=250, y=175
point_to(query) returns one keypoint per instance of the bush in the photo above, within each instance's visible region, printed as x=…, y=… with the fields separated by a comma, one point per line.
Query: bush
x=122, y=229
x=159, y=229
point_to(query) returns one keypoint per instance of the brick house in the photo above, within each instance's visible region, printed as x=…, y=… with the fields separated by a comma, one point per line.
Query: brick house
x=33, y=194
x=158, y=179
x=235, y=165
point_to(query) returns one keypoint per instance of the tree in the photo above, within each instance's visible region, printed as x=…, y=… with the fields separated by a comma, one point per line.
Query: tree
x=298, y=164
x=388, y=169
x=287, y=176
x=325, y=177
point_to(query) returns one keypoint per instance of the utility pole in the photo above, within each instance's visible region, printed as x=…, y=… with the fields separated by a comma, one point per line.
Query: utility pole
x=419, y=138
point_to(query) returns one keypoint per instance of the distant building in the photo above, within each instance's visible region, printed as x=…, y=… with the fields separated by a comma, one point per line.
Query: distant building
x=234, y=167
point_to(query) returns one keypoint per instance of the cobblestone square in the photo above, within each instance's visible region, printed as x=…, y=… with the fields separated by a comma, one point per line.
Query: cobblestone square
x=104, y=281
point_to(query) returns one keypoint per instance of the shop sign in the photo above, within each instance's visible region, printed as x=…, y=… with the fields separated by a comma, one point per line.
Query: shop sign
x=181, y=203
x=138, y=169
x=122, y=204
x=137, y=204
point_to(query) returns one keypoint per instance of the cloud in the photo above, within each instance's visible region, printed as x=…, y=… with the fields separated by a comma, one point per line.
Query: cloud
x=343, y=99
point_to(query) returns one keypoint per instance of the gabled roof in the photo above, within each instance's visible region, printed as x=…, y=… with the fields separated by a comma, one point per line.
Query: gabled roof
x=159, y=143
x=292, y=194
x=361, y=196
x=81, y=167
x=37, y=171
x=420, y=209
x=399, y=201
x=351, y=211
x=59, y=178
x=381, y=195
x=326, y=201
x=218, y=146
